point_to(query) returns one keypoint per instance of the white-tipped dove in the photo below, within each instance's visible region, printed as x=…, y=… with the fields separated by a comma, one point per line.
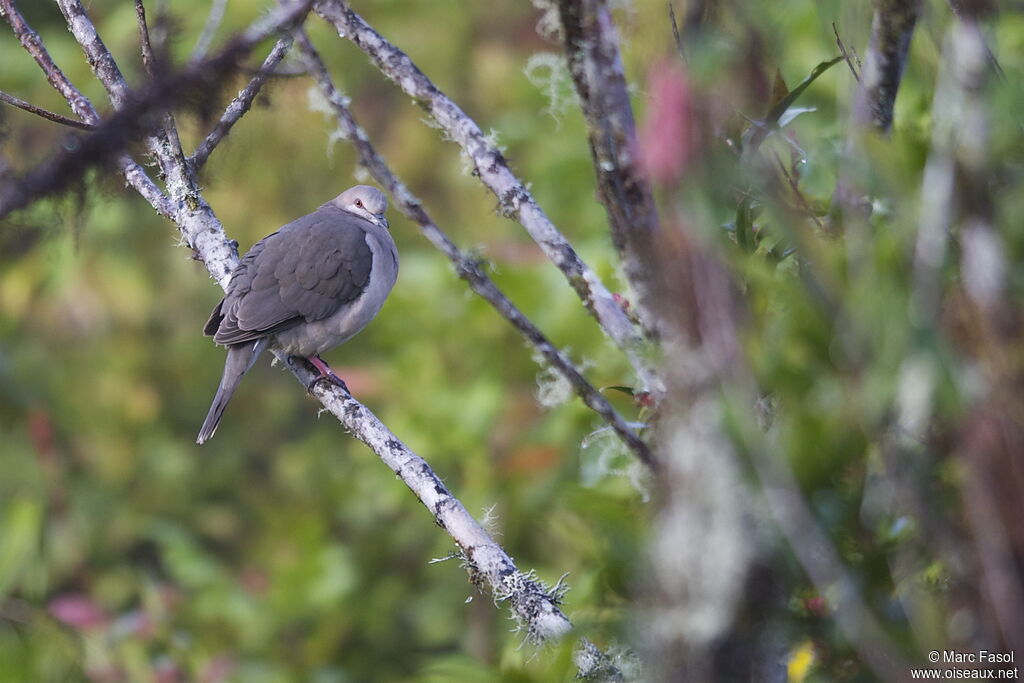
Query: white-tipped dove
x=309, y=287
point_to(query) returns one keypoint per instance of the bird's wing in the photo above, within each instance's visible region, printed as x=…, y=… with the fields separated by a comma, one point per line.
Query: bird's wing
x=304, y=272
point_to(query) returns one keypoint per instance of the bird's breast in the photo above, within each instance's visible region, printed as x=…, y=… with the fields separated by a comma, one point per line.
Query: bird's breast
x=320, y=336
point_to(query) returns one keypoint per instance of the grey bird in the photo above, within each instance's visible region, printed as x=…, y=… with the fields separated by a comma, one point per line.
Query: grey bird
x=309, y=287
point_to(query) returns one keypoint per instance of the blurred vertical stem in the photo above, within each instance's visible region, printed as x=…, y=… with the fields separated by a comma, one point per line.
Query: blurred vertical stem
x=891, y=31
x=592, y=52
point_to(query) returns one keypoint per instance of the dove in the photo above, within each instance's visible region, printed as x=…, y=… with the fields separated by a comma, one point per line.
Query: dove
x=307, y=288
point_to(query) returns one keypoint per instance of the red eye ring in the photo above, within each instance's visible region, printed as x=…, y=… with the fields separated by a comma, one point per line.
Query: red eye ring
x=359, y=203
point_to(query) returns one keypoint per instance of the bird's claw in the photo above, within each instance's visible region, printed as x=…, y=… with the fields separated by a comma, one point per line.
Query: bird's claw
x=329, y=377
x=324, y=374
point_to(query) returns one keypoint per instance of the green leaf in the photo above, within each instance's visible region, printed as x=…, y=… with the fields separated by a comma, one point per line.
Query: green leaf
x=759, y=130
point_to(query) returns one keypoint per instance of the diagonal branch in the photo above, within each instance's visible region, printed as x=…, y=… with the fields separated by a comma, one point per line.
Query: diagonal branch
x=466, y=267
x=113, y=81
x=534, y=606
x=80, y=104
x=213, y=20
x=45, y=113
x=592, y=51
x=136, y=115
x=514, y=200
x=241, y=104
x=191, y=212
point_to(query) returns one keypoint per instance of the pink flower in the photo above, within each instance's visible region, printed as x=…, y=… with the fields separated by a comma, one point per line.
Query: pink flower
x=665, y=140
x=78, y=611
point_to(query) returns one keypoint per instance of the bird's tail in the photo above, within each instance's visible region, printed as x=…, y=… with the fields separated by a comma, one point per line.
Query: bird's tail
x=240, y=358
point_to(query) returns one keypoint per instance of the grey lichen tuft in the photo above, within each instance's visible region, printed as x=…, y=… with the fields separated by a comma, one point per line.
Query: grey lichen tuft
x=618, y=665
x=547, y=72
x=549, y=26
x=534, y=606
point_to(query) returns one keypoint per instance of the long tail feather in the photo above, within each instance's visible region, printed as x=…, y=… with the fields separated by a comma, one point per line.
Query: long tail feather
x=240, y=358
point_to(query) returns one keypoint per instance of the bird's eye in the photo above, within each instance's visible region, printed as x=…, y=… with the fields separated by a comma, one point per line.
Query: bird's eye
x=359, y=203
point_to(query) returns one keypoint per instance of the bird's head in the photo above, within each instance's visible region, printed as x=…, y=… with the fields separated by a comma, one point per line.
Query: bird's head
x=366, y=202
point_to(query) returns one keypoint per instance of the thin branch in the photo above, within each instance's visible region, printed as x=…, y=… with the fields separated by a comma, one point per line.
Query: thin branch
x=794, y=185
x=466, y=267
x=848, y=55
x=45, y=113
x=166, y=144
x=134, y=116
x=80, y=104
x=213, y=20
x=110, y=76
x=148, y=61
x=675, y=31
x=241, y=104
x=592, y=52
x=33, y=44
x=535, y=606
x=514, y=200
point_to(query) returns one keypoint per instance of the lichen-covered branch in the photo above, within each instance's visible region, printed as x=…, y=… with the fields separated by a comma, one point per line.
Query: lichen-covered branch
x=891, y=30
x=137, y=114
x=592, y=51
x=514, y=200
x=191, y=212
x=80, y=105
x=535, y=606
x=241, y=104
x=466, y=267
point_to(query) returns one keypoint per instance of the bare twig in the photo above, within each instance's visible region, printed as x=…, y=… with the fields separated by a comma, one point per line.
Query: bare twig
x=675, y=31
x=794, y=185
x=81, y=105
x=241, y=104
x=466, y=267
x=187, y=206
x=45, y=113
x=110, y=76
x=166, y=143
x=514, y=200
x=592, y=52
x=148, y=60
x=213, y=20
x=134, y=117
x=34, y=46
x=848, y=56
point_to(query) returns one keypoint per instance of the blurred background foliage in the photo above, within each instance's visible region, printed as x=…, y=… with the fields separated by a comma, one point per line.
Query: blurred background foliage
x=283, y=550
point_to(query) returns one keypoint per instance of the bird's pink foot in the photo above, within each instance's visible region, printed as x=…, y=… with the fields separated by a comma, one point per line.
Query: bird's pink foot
x=325, y=374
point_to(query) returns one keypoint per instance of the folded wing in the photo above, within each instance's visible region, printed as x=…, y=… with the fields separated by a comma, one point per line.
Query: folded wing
x=304, y=272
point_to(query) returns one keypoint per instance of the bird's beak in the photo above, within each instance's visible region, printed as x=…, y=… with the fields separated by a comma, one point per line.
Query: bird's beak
x=382, y=222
